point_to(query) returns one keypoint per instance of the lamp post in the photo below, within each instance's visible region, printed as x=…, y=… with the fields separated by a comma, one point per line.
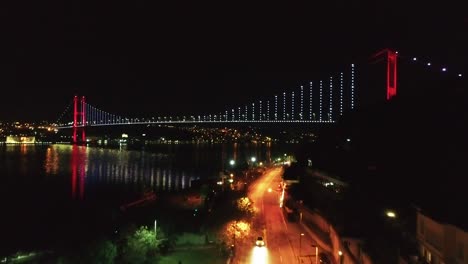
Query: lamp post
x=341, y=256
x=300, y=243
x=155, y=230
x=316, y=254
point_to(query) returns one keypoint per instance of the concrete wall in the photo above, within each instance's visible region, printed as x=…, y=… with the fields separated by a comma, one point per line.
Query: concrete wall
x=351, y=254
x=440, y=242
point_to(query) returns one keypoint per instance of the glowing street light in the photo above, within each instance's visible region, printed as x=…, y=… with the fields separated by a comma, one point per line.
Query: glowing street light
x=232, y=162
x=316, y=254
x=390, y=214
x=155, y=229
x=300, y=243
x=253, y=159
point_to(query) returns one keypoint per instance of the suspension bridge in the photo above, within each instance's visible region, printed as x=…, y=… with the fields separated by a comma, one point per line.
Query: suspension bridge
x=322, y=101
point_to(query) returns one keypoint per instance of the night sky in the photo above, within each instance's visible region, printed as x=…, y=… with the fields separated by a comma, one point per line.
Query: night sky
x=140, y=59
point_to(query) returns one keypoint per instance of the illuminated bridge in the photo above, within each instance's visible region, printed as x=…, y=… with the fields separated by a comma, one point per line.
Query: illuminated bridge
x=322, y=101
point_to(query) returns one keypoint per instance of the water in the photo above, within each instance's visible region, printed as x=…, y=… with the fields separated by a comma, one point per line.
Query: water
x=50, y=193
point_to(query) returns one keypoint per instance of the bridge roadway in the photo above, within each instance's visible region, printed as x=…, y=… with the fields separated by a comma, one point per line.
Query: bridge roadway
x=284, y=243
x=197, y=122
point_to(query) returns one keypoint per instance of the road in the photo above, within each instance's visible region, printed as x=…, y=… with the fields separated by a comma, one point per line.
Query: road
x=283, y=240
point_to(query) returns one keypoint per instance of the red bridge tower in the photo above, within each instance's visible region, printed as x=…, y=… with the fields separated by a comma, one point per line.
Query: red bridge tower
x=79, y=118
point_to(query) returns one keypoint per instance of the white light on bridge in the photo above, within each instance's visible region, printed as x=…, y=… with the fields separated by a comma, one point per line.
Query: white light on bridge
x=459, y=75
x=341, y=93
x=320, y=99
x=310, y=100
x=414, y=59
x=352, y=86
x=444, y=69
x=330, y=115
x=276, y=107
x=284, y=106
x=428, y=64
x=292, y=105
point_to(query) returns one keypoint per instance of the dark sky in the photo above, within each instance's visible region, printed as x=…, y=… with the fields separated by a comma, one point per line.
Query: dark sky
x=141, y=59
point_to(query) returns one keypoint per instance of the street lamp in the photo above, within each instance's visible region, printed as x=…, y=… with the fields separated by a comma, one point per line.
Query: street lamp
x=253, y=159
x=341, y=256
x=390, y=214
x=232, y=162
x=316, y=254
x=300, y=243
x=155, y=230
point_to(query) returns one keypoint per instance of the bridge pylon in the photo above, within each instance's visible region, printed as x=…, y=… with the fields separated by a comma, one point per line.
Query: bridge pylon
x=391, y=59
x=79, y=119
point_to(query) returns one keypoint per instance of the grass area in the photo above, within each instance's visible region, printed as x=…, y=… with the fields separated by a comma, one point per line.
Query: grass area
x=194, y=256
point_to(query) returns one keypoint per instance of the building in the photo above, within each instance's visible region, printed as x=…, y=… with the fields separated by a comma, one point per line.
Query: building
x=20, y=139
x=439, y=242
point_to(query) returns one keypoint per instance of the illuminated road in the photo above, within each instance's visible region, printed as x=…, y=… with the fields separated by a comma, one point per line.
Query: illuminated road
x=282, y=238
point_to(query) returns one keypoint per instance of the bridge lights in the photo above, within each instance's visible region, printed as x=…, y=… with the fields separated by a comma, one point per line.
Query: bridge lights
x=276, y=107
x=284, y=106
x=352, y=86
x=320, y=98
x=310, y=100
x=260, y=110
x=292, y=105
x=444, y=69
x=302, y=102
x=341, y=93
x=268, y=110
x=330, y=117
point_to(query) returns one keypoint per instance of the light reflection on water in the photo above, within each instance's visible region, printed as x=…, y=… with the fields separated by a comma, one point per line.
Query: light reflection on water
x=47, y=190
x=164, y=168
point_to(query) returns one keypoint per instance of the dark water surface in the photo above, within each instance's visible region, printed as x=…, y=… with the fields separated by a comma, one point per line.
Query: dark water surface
x=51, y=193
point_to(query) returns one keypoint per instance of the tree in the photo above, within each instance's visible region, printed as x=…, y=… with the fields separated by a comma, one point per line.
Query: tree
x=99, y=251
x=102, y=251
x=139, y=246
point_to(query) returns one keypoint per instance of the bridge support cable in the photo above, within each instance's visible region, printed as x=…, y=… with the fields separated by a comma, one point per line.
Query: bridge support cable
x=268, y=110
x=341, y=93
x=352, y=86
x=301, y=114
x=284, y=106
x=330, y=102
x=64, y=114
x=320, y=99
x=253, y=112
x=260, y=110
x=276, y=108
x=311, y=111
x=292, y=106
